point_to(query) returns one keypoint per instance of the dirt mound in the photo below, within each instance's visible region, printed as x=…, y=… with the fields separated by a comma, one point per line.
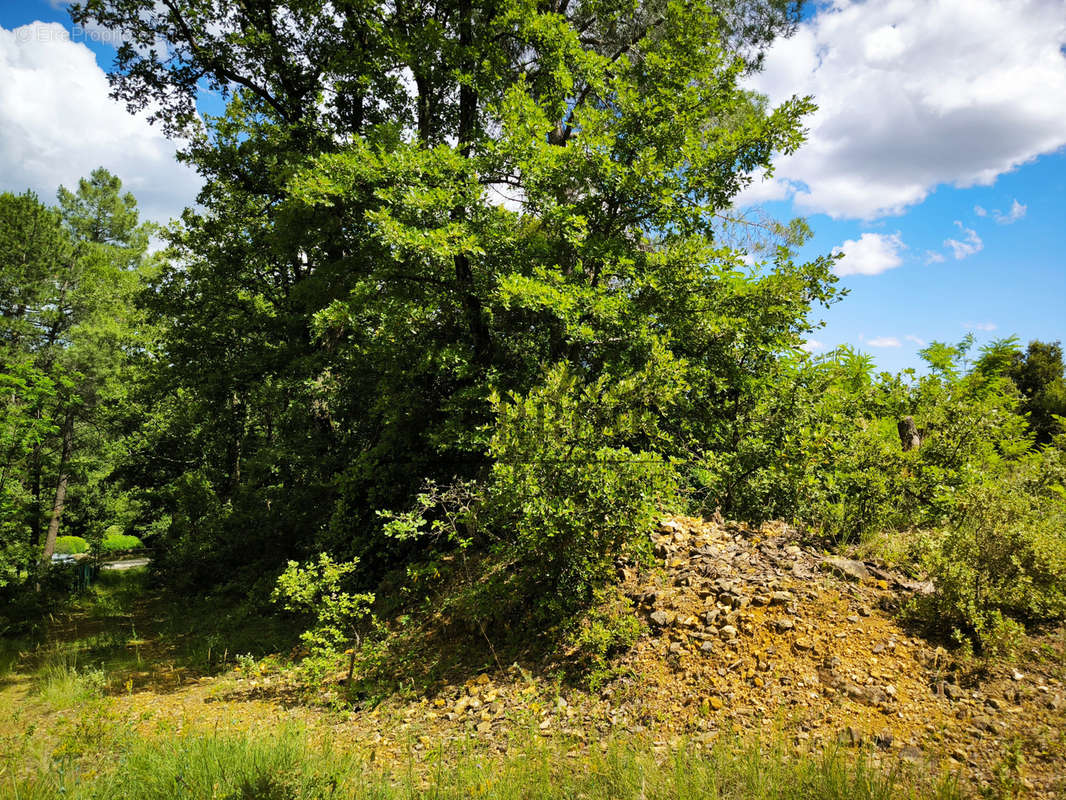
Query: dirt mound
x=749, y=628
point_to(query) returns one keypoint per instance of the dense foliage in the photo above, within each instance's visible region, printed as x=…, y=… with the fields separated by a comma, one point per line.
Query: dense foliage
x=117, y=542
x=464, y=278
x=422, y=224
x=980, y=506
x=71, y=545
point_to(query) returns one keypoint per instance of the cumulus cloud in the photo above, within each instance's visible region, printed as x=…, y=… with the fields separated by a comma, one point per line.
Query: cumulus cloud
x=57, y=124
x=970, y=243
x=1017, y=211
x=916, y=93
x=763, y=189
x=979, y=211
x=870, y=254
x=884, y=341
x=811, y=345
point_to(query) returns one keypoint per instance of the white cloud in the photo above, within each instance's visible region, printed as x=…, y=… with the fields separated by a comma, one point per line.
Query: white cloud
x=980, y=326
x=910, y=337
x=933, y=257
x=763, y=190
x=917, y=93
x=870, y=254
x=1017, y=211
x=884, y=341
x=57, y=124
x=979, y=211
x=811, y=345
x=970, y=244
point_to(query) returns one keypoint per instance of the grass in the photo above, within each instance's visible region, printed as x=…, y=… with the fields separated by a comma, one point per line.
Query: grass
x=285, y=766
x=61, y=684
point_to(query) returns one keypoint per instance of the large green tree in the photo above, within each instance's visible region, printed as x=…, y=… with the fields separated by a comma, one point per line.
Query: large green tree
x=412, y=208
x=1040, y=376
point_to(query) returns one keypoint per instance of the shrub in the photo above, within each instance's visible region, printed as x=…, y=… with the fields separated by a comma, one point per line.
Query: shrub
x=71, y=545
x=609, y=629
x=315, y=590
x=116, y=542
x=845, y=466
x=566, y=493
x=1005, y=555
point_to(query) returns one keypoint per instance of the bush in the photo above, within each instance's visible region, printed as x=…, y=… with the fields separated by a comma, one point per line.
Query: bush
x=71, y=545
x=116, y=542
x=850, y=473
x=314, y=590
x=565, y=494
x=609, y=629
x=1005, y=556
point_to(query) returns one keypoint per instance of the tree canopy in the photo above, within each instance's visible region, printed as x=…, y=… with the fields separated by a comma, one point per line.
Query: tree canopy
x=415, y=214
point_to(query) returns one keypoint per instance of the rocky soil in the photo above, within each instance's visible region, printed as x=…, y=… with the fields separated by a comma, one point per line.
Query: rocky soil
x=747, y=630
x=755, y=628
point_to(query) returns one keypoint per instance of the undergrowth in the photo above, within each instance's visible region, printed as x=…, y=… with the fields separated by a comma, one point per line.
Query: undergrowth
x=62, y=683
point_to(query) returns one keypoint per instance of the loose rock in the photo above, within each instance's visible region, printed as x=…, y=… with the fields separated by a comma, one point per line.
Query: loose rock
x=848, y=568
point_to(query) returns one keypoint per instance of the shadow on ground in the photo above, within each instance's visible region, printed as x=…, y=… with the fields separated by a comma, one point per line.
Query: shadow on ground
x=141, y=637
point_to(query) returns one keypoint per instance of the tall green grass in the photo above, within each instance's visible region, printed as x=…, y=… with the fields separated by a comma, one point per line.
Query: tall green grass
x=286, y=767
x=62, y=683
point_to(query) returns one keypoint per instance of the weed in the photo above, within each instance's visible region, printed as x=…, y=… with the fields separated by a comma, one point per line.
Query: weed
x=1006, y=781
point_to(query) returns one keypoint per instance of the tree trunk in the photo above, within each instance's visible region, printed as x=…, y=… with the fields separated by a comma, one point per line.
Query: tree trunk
x=909, y=438
x=480, y=335
x=235, y=448
x=61, y=488
x=35, y=520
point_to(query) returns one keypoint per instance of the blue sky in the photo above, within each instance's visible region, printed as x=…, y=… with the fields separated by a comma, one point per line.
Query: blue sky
x=1015, y=285
x=936, y=161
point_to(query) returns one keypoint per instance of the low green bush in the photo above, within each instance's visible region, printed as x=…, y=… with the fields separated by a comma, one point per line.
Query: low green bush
x=1003, y=561
x=568, y=493
x=117, y=542
x=315, y=590
x=609, y=628
x=71, y=545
